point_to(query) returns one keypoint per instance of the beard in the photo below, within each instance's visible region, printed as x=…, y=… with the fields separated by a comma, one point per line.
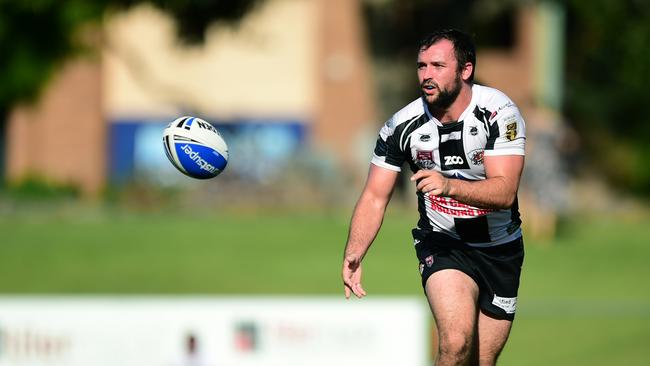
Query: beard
x=445, y=97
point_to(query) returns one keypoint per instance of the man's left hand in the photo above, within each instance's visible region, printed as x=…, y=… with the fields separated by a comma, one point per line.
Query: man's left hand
x=431, y=182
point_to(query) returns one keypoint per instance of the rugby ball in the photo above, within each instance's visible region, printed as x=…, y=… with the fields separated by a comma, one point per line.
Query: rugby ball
x=195, y=147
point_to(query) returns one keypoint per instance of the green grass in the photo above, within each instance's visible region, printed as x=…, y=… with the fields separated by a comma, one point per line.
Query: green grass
x=584, y=299
x=258, y=253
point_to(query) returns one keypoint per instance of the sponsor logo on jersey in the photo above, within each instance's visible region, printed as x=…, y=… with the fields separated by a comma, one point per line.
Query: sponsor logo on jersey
x=511, y=131
x=476, y=156
x=429, y=261
x=494, y=114
x=509, y=304
x=453, y=160
x=452, y=207
x=194, y=156
x=425, y=137
x=507, y=105
x=473, y=130
x=424, y=159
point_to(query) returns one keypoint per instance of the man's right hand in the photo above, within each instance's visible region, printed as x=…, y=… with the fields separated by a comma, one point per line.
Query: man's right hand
x=352, y=276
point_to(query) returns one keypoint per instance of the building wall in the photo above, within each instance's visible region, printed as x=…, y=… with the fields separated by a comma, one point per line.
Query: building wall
x=299, y=64
x=263, y=71
x=62, y=138
x=263, y=67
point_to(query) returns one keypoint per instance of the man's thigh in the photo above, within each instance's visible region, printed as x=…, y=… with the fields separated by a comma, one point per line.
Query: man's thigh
x=453, y=296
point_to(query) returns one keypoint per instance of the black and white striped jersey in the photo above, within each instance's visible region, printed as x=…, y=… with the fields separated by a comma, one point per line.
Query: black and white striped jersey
x=491, y=125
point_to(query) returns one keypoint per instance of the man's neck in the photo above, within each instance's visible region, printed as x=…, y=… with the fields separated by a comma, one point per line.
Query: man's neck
x=452, y=114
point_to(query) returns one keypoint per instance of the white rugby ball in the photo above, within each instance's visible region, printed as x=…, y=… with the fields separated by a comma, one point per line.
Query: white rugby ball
x=195, y=147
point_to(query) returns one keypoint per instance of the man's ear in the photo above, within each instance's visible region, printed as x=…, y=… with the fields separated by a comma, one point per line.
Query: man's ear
x=466, y=71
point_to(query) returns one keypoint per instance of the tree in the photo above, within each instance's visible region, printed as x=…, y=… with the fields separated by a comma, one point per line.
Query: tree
x=37, y=36
x=607, y=73
x=606, y=68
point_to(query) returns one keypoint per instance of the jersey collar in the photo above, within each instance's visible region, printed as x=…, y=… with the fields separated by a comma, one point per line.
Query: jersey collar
x=469, y=109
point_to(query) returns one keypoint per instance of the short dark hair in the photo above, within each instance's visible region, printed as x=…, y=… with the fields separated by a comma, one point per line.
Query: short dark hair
x=463, y=46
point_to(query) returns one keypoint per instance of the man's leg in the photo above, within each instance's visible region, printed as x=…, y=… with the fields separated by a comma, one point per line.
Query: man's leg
x=453, y=298
x=492, y=336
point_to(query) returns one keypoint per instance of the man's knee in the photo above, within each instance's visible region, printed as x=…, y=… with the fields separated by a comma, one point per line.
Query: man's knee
x=488, y=356
x=456, y=347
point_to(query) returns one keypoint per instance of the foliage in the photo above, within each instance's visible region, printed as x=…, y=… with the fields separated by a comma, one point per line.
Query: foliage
x=35, y=188
x=36, y=36
x=606, y=68
x=395, y=27
x=607, y=72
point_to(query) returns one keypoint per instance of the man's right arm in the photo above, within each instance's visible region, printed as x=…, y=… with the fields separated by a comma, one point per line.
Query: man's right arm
x=364, y=226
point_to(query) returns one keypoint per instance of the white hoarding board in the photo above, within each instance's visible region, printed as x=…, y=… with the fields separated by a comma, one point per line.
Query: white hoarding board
x=212, y=331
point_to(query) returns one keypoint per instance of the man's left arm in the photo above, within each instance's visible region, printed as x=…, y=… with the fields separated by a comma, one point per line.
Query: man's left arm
x=497, y=191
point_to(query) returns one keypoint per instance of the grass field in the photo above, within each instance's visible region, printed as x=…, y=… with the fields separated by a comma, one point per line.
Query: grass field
x=584, y=300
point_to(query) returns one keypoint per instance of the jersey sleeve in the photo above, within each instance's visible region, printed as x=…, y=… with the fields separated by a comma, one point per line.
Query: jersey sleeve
x=507, y=132
x=388, y=153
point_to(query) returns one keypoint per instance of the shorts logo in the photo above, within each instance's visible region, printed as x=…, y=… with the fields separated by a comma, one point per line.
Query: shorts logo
x=424, y=159
x=509, y=304
x=429, y=261
x=476, y=156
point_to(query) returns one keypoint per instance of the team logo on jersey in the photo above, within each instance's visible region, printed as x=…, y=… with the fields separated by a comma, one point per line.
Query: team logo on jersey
x=511, y=131
x=424, y=159
x=425, y=137
x=476, y=156
x=429, y=261
x=473, y=130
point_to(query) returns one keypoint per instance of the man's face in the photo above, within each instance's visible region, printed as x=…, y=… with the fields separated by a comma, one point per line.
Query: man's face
x=438, y=73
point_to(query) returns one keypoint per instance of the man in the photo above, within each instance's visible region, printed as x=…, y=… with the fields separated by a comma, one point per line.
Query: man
x=465, y=144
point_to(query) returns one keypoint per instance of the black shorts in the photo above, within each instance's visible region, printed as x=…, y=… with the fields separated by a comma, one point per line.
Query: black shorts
x=496, y=270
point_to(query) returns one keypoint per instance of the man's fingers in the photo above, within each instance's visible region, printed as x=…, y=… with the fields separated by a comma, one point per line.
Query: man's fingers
x=359, y=291
x=421, y=186
x=352, y=277
x=417, y=175
x=427, y=187
x=355, y=289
